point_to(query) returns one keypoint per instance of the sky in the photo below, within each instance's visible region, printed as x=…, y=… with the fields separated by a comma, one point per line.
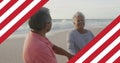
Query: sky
x=92, y=9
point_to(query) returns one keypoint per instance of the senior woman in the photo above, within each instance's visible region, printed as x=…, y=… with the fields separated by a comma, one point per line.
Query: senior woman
x=78, y=37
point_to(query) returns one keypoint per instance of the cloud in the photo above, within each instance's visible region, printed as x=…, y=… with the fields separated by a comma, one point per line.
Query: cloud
x=91, y=8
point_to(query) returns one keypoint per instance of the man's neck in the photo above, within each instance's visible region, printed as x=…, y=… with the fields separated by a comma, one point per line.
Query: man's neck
x=41, y=33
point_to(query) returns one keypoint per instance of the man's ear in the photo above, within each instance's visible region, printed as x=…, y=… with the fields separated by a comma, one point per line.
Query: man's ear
x=47, y=25
x=73, y=22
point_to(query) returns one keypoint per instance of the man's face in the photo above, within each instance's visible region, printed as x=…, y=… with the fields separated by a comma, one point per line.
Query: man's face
x=79, y=22
x=48, y=27
x=49, y=24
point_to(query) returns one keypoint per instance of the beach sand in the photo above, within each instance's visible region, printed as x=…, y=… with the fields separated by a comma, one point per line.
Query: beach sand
x=11, y=49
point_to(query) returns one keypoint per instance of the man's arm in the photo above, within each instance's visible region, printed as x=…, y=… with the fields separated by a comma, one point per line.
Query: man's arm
x=61, y=51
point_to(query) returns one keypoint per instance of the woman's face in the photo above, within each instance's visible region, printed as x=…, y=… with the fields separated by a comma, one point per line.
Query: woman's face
x=79, y=22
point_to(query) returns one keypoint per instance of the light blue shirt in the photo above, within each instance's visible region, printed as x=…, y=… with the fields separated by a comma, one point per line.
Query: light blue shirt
x=76, y=41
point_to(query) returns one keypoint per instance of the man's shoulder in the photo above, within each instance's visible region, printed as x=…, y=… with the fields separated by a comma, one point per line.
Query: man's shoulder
x=33, y=41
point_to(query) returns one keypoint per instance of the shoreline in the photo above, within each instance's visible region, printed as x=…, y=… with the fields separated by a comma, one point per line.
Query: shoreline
x=11, y=49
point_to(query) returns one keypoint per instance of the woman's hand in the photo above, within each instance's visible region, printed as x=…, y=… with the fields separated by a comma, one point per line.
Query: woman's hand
x=70, y=56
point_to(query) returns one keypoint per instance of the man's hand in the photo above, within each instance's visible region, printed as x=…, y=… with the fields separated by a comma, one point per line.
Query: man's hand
x=69, y=56
x=61, y=51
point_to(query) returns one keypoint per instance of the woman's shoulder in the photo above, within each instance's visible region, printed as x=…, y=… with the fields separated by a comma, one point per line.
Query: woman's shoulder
x=73, y=31
x=88, y=31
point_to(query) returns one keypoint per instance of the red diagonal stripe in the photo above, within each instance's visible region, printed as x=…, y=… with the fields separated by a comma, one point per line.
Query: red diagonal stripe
x=96, y=39
x=15, y=13
x=21, y=21
x=5, y=8
x=117, y=60
x=1, y=1
x=102, y=47
x=110, y=54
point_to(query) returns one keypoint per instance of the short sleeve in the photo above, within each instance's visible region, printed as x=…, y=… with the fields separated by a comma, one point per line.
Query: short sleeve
x=92, y=35
x=70, y=44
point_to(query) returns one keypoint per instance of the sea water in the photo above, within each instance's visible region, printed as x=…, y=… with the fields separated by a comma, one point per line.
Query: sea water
x=60, y=25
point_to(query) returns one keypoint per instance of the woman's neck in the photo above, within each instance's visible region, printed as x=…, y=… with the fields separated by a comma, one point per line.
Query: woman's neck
x=82, y=31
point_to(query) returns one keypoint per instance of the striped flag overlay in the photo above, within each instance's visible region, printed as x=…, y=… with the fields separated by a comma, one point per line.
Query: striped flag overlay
x=13, y=13
x=104, y=48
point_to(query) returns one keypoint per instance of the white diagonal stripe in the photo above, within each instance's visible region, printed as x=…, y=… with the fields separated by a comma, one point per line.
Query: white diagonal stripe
x=107, y=50
x=114, y=57
x=3, y=3
x=19, y=16
x=98, y=44
x=11, y=10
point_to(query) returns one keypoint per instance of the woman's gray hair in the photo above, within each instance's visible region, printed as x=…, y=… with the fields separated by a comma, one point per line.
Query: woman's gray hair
x=38, y=21
x=78, y=14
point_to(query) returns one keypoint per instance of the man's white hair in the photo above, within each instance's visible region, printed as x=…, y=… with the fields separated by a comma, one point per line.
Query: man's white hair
x=78, y=14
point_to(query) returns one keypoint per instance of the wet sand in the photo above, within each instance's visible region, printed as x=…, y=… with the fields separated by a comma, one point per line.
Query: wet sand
x=11, y=49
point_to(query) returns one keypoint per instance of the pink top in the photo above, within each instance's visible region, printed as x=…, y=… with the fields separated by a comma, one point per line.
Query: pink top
x=38, y=49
